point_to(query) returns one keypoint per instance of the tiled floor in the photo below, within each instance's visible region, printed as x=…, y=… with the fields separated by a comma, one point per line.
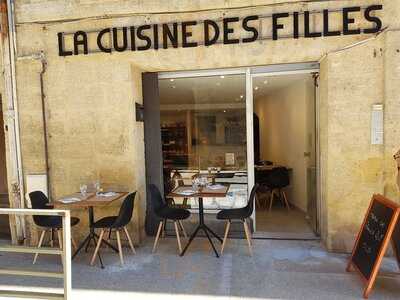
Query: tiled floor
x=278, y=270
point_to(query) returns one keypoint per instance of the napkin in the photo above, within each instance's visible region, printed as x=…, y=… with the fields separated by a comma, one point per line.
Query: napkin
x=186, y=192
x=70, y=200
x=107, y=194
x=216, y=187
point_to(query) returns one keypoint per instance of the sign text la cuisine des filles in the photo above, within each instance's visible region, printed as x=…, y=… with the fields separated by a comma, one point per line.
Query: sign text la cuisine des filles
x=180, y=34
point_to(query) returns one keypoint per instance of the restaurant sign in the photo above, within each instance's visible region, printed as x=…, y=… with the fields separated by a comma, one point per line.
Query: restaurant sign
x=228, y=30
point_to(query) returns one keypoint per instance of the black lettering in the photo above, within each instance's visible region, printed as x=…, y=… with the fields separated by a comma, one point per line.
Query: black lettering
x=155, y=36
x=347, y=20
x=307, y=32
x=326, y=25
x=187, y=34
x=143, y=37
x=228, y=30
x=252, y=29
x=99, y=40
x=275, y=25
x=373, y=19
x=124, y=39
x=172, y=36
x=296, y=25
x=61, y=50
x=80, y=38
x=213, y=40
x=133, y=38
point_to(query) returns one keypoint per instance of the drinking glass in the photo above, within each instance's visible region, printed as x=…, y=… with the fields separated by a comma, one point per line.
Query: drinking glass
x=97, y=186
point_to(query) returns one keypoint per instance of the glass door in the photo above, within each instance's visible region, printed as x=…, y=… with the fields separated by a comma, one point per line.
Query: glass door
x=204, y=131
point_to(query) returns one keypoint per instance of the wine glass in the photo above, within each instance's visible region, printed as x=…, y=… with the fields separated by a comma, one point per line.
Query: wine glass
x=83, y=189
x=97, y=186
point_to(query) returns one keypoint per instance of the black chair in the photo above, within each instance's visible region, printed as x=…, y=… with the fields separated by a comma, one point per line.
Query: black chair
x=117, y=223
x=239, y=214
x=278, y=179
x=48, y=223
x=165, y=212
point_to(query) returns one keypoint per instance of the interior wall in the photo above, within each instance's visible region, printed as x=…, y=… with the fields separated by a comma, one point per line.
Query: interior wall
x=284, y=134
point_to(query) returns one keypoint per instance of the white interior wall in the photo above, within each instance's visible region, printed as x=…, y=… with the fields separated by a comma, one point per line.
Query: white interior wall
x=285, y=133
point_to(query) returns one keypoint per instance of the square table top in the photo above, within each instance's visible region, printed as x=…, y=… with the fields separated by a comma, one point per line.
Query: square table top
x=205, y=192
x=91, y=200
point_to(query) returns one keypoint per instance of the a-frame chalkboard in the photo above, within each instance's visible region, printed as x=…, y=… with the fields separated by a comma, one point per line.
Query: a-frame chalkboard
x=381, y=225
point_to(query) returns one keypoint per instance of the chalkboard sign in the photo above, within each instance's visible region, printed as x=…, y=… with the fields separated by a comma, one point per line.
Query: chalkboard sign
x=380, y=226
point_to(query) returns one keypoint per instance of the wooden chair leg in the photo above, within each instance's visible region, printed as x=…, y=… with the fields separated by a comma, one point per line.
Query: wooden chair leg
x=258, y=201
x=97, y=247
x=73, y=243
x=178, y=237
x=60, y=243
x=228, y=225
x=183, y=229
x=271, y=200
x=121, y=257
x=43, y=233
x=164, y=228
x=129, y=240
x=248, y=236
x=160, y=227
x=286, y=200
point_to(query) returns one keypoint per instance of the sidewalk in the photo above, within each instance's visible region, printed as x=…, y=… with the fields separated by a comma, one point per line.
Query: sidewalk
x=278, y=270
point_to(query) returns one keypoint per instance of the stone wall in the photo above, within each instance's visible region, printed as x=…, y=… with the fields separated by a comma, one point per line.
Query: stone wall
x=92, y=130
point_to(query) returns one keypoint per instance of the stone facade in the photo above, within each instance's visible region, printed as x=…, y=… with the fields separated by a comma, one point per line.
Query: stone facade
x=92, y=132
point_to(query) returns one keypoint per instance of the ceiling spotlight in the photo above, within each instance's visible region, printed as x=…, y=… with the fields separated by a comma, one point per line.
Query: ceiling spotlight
x=222, y=76
x=256, y=88
x=173, y=87
x=265, y=81
x=224, y=111
x=241, y=96
x=172, y=80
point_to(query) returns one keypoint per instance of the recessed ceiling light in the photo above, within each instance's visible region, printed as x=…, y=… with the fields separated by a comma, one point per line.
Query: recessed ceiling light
x=224, y=111
x=173, y=87
x=265, y=81
x=222, y=76
x=172, y=80
x=256, y=88
x=241, y=96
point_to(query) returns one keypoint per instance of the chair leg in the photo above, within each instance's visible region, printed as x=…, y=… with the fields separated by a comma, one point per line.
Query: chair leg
x=60, y=243
x=248, y=236
x=129, y=240
x=160, y=227
x=286, y=200
x=121, y=258
x=97, y=247
x=178, y=237
x=183, y=229
x=73, y=243
x=43, y=233
x=164, y=228
x=271, y=200
x=228, y=225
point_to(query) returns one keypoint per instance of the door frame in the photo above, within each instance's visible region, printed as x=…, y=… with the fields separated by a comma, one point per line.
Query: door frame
x=250, y=73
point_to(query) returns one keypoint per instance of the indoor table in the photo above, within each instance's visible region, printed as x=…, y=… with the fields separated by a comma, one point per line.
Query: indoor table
x=206, y=192
x=90, y=201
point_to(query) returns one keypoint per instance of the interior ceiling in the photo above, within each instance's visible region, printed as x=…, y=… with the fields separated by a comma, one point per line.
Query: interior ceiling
x=220, y=89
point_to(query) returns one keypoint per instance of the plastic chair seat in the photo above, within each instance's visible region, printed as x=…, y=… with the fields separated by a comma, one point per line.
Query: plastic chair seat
x=173, y=213
x=54, y=222
x=106, y=222
x=235, y=213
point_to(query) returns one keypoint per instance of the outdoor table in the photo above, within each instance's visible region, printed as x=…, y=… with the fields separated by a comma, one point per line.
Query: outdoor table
x=90, y=201
x=206, y=192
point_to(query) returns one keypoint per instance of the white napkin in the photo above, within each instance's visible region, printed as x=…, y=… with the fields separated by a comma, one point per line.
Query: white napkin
x=186, y=192
x=70, y=200
x=107, y=194
x=216, y=187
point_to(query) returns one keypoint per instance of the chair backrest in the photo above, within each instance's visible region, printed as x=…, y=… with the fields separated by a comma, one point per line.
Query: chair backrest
x=178, y=178
x=126, y=211
x=157, y=200
x=250, y=204
x=38, y=201
x=278, y=178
